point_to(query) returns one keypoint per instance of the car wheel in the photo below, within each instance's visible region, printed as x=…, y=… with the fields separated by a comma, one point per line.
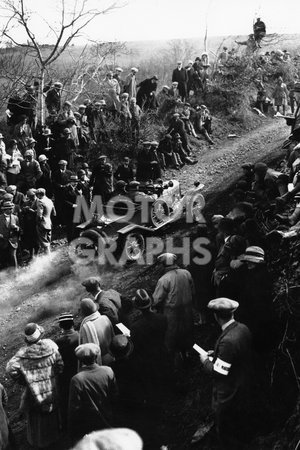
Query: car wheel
x=134, y=246
x=159, y=213
x=197, y=204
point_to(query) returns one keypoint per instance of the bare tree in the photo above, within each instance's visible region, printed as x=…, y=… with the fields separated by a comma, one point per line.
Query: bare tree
x=69, y=26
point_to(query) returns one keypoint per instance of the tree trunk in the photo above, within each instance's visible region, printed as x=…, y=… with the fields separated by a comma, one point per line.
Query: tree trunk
x=41, y=115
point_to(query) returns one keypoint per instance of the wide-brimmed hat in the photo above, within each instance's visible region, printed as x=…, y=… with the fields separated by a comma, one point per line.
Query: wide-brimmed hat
x=254, y=254
x=121, y=346
x=142, y=300
x=167, y=258
x=33, y=333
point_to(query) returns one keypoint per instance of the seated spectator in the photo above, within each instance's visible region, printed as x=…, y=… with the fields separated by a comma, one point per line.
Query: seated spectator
x=124, y=171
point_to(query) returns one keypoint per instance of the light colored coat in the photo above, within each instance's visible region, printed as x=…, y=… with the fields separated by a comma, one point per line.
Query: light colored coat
x=97, y=329
x=45, y=208
x=174, y=297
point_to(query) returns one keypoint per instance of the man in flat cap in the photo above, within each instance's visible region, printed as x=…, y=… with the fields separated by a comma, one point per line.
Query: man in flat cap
x=67, y=342
x=173, y=296
x=9, y=235
x=92, y=391
x=45, y=212
x=180, y=75
x=230, y=367
x=53, y=98
x=130, y=83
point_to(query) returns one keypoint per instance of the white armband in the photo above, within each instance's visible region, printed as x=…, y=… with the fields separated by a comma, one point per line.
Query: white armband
x=221, y=367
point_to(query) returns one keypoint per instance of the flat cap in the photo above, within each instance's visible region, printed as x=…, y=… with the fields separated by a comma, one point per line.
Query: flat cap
x=62, y=162
x=87, y=350
x=223, y=304
x=133, y=184
x=121, y=183
x=88, y=306
x=134, y=69
x=42, y=158
x=154, y=143
x=119, y=69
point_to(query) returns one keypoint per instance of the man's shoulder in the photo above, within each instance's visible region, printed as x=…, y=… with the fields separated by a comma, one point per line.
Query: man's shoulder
x=236, y=332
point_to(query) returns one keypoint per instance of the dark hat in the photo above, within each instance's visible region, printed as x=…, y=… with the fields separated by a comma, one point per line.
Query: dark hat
x=260, y=168
x=66, y=317
x=88, y=306
x=247, y=166
x=91, y=282
x=121, y=183
x=121, y=346
x=33, y=333
x=87, y=351
x=142, y=299
x=297, y=87
x=223, y=304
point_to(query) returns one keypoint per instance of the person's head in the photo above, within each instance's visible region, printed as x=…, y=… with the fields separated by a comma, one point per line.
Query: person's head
x=33, y=333
x=23, y=118
x=154, y=79
x=119, y=70
x=28, y=155
x=167, y=259
x=226, y=226
x=223, y=309
x=174, y=84
x=58, y=86
x=62, y=164
x=142, y=300
x=31, y=194
x=225, y=49
x=88, y=306
x=176, y=116
x=81, y=109
x=179, y=64
x=121, y=347
x=133, y=186
x=42, y=159
x=13, y=144
x=253, y=257
x=11, y=189
x=81, y=175
x=73, y=180
x=67, y=106
x=7, y=207
x=31, y=142
x=280, y=80
x=260, y=170
x=111, y=439
x=102, y=160
x=67, y=133
x=126, y=161
x=92, y=284
x=109, y=75
x=134, y=70
x=133, y=101
x=241, y=210
x=66, y=321
x=40, y=193
x=124, y=97
x=87, y=353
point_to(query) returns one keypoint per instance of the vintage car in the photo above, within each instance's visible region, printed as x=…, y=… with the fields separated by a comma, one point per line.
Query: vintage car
x=165, y=205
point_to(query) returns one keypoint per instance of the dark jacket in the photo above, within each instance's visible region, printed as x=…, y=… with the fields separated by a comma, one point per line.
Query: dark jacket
x=10, y=231
x=91, y=393
x=231, y=366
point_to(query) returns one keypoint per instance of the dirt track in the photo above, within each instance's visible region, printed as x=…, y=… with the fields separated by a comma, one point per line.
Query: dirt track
x=45, y=294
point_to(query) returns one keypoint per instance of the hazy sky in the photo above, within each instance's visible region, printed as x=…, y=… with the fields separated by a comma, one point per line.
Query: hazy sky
x=170, y=19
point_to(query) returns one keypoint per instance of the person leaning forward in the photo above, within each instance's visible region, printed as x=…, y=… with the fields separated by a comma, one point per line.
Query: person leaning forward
x=230, y=368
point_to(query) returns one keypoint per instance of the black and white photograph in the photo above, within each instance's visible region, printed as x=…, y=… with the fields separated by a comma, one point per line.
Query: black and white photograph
x=149, y=225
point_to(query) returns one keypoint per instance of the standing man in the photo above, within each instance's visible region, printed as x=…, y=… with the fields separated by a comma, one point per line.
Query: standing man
x=53, y=98
x=92, y=392
x=60, y=179
x=101, y=180
x=9, y=235
x=231, y=370
x=173, y=296
x=130, y=83
x=109, y=302
x=180, y=75
x=67, y=343
x=45, y=209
